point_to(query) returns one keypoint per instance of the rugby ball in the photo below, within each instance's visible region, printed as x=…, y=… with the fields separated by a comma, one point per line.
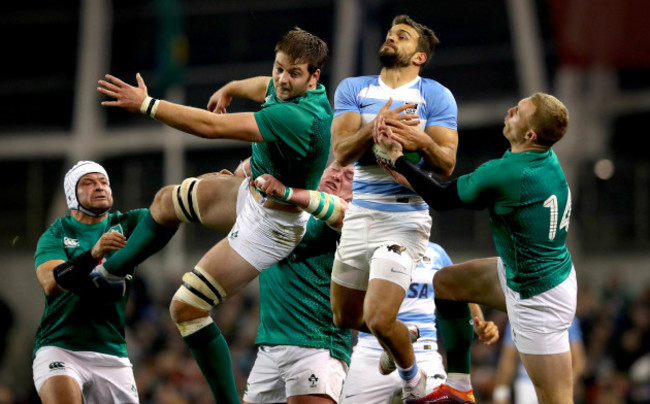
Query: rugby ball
x=381, y=155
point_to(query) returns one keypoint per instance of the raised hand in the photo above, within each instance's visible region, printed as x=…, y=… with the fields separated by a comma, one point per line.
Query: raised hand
x=408, y=133
x=126, y=96
x=384, y=112
x=219, y=101
x=110, y=241
x=386, y=148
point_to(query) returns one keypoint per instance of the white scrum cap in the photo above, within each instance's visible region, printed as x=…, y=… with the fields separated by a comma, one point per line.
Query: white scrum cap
x=72, y=178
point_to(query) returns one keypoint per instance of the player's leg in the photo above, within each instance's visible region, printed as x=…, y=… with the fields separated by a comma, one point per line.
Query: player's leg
x=260, y=238
x=209, y=200
x=540, y=327
x=347, y=302
x=57, y=376
x=350, y=271
x=60, y=389
x=390, y=276
x=474, y=281
x=551, y=375
x=219, y=274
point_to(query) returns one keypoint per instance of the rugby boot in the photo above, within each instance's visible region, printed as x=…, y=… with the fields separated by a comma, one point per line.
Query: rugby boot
x=444, y=394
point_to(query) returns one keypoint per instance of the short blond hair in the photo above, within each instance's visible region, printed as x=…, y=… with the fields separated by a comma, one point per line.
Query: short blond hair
x=550, y=119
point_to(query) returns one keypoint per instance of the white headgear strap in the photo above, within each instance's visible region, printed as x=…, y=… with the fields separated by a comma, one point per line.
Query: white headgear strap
x=71, y=180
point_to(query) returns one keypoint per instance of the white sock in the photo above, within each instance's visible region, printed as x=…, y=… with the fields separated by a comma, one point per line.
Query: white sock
x=414, y=381
x=459, y=381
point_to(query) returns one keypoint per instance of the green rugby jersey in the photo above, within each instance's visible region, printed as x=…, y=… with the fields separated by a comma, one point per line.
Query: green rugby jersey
x=529, y=204
x=72, y=322
x=295, y=297
x=296, y=136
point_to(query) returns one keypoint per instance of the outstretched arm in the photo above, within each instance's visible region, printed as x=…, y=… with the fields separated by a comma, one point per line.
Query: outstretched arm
x=195, y=121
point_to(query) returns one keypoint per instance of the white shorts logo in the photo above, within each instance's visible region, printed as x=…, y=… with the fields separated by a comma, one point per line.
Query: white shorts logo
x=57, y=366
x=313, y=381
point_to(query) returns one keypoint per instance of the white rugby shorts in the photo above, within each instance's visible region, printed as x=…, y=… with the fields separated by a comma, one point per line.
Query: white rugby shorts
x=102, y=378
x=282, y=371
x=365, y=231
x=264, y=236
x=540, y=324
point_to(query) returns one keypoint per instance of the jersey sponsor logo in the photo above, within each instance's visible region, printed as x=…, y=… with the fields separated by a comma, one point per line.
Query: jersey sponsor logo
x=117, y=228
x=57, y=365
x=396, y=248
x=413, y=110
x=70, y=242
x=234, y=235
x=397, y=272
x=313, y=381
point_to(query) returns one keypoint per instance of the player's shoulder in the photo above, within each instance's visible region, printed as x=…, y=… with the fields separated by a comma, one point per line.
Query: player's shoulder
x=359, y=81
x=432, y=86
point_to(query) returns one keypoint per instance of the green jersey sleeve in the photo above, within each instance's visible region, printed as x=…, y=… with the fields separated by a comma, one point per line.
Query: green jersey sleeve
x=286, y=122
x=49, y=247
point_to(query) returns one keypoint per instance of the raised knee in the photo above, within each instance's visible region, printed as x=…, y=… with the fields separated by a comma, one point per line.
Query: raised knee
x=441, y=285
x=178, y=311
x=162, y=207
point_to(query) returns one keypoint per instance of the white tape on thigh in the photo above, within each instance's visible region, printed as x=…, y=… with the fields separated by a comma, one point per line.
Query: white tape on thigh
x=392, y=262
x=186, y=204
x=200, y=290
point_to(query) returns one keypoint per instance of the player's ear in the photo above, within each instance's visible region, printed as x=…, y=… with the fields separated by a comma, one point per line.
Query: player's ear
x=313, y=79
x=531, y=135
x=419, y=58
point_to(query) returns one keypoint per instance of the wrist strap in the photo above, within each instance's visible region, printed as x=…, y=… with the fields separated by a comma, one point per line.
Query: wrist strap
x=288, y=193
x=149, y=106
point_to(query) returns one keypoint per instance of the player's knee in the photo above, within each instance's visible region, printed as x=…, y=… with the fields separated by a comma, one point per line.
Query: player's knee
x=198, y=294
x=379, y=323
x=162, y=208
x=443, y=284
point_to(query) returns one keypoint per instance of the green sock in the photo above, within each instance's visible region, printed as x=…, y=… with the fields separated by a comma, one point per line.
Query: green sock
x=147, y=238
x=211, y=352
x=457, y=332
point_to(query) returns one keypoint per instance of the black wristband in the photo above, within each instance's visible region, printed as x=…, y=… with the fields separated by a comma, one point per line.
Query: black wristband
x=71, y=272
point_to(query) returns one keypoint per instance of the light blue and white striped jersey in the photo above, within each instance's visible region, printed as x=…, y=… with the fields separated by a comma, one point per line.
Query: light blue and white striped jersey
x=575, y=336
x=373, y=188
x=418, y=306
